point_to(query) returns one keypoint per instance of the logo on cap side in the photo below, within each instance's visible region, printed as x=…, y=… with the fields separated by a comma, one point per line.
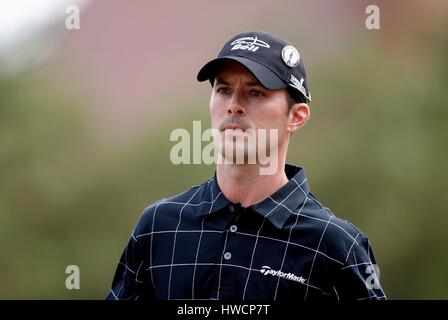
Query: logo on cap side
x=290, y=56
x=248, y=43
x=299, y=86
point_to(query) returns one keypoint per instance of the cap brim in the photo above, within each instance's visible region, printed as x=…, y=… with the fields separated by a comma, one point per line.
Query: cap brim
x=264, y=75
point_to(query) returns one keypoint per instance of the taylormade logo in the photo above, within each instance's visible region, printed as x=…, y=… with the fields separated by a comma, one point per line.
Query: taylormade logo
x=277, y=273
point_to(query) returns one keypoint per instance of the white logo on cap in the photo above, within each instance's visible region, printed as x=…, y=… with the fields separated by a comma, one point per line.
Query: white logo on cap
x=290, y=56
x=299, y=86
x=248, y=43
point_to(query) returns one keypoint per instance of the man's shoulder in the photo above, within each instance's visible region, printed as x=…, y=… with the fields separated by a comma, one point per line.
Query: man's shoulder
x=338, y=236
x=347, y=229
x=318, y=211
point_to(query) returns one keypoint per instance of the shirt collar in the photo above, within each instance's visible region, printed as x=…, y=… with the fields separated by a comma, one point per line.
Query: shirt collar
x=277, y=208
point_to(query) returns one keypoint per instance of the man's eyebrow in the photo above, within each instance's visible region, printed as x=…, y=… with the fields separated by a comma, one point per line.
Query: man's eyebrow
x=253, y=83
x=249, y=83
x=221, y=81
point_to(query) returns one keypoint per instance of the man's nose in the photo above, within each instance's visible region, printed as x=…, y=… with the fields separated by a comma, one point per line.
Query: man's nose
x=235, y=107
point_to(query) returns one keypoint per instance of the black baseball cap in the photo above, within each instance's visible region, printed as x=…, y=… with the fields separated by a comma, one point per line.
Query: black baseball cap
x=275, y=62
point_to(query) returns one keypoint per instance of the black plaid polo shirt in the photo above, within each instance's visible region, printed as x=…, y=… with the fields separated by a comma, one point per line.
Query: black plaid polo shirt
x=198, y=245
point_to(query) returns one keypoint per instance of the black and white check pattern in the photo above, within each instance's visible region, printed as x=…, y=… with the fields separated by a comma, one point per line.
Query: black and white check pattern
x=198, y=245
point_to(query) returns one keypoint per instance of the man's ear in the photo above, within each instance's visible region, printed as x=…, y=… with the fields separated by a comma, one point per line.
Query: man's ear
x=298, y=116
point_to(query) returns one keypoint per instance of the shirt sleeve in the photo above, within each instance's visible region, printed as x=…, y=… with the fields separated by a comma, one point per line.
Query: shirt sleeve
x=132, y=280
x=359, y=278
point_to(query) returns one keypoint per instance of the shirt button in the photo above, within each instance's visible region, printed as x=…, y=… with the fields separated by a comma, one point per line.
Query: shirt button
x=233, y=228
x=231, y=209
x=227, y=255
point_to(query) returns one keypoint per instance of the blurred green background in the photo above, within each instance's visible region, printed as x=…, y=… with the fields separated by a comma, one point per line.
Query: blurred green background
x=85, y=118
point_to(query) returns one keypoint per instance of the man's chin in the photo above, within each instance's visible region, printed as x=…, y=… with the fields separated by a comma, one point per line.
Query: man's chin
x=237, y=153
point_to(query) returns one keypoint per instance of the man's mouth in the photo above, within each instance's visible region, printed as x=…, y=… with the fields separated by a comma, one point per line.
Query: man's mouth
x=233, y=127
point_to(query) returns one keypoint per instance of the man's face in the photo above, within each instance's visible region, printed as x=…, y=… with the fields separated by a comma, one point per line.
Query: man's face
x=240, y=106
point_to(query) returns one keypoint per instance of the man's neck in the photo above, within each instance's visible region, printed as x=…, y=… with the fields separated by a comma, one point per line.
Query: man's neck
x=244, y=184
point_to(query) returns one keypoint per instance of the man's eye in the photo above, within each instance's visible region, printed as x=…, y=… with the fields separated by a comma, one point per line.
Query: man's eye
x=223, y=90
x=256, y=93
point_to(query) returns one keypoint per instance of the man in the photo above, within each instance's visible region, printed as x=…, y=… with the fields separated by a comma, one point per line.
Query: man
x=245, y=234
